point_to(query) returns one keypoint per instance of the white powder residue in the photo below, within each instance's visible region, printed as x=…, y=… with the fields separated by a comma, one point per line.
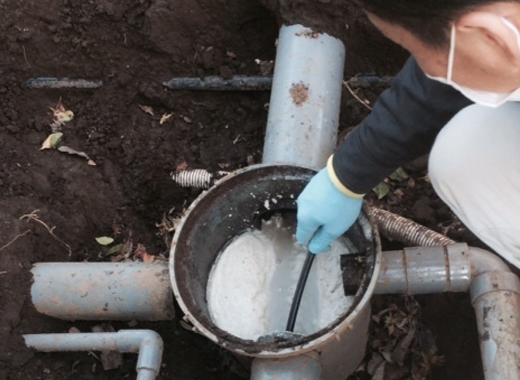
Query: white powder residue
x=252, y=284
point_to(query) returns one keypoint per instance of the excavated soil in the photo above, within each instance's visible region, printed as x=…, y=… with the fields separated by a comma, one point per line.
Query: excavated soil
x=54, y=205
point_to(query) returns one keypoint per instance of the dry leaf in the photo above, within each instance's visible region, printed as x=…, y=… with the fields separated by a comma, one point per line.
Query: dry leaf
x=382, y=190
x=104, y=240
x=61, y=114
x=52, y=141
x=399, y=175
x=165, y=117
x=403, y=348
x=181, y=167
x=147, y=109
x=69, y=150
x=64, y=117
x=115, y=249
x=141, y=253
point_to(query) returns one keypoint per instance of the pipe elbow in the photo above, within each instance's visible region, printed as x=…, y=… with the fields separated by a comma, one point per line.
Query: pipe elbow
x=147, y=343
x=483, y=261
x=133, y=340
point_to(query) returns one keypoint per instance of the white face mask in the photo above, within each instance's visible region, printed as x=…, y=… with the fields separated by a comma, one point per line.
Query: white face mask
x=485, y=98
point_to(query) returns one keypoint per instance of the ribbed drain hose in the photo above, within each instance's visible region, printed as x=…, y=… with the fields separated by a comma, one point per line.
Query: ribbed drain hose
x=406, y=231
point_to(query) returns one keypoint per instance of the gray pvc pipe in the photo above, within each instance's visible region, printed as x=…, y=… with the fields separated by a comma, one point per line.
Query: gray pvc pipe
x=494, y=290
x=303, y=119
x=103, y=291
x=425, y=270
x=302, y=367
x=147, y=343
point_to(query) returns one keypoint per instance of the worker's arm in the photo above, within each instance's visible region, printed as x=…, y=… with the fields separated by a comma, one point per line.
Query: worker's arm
x=402, y=126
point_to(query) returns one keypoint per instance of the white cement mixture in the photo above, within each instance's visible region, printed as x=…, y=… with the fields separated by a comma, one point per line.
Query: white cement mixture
x=252, y=284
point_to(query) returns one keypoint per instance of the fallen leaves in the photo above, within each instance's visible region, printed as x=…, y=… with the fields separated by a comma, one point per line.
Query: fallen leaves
x=52, y=141
x=150, y=111
x=61, y=116
x=141, y=253
x=74, y=152
x=168, y=225
x=400, y=346
x=181, y=167
x=104, y=240
x=383, y=188
x=165, y=117
x=147, y=109
x=125, y=251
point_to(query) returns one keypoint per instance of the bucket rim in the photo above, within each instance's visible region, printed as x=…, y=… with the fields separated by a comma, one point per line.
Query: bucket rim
x=313, y=345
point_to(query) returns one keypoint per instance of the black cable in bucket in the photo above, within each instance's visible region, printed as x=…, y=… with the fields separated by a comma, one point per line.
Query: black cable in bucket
x=299, y=291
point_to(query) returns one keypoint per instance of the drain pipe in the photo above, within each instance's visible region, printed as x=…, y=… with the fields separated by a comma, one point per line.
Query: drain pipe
x=494, y=291
x=147, y=343
x=305, y=98
x=301, y=367
x=103, y=291
x=302, y=128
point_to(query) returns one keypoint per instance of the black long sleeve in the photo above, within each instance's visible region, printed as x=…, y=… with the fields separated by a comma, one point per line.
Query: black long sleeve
x=403, y=125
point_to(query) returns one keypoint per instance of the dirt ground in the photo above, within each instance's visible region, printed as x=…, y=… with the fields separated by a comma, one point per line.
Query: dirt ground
x=54, y=205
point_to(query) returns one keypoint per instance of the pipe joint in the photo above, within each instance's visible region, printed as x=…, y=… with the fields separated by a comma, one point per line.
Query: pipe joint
x=495, y=281
x=147, y=343
x=425, y=270
x=483, y=261
x=301, y=367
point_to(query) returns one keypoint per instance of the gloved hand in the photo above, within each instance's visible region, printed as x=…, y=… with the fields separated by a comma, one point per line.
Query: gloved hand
x=324, y=213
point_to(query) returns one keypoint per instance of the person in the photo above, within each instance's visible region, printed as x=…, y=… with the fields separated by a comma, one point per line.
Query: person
x=457, y=98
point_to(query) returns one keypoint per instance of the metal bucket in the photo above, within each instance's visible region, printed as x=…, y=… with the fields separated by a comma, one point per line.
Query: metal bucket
x=240, y=202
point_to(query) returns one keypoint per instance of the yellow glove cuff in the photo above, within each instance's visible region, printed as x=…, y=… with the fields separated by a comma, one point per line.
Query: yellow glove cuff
x=335, y=180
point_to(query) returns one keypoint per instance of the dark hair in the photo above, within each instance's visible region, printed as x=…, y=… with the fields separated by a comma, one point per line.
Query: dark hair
x=428, y=20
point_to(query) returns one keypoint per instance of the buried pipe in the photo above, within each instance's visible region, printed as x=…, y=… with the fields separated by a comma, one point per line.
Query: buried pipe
x=103, y=291
x=216, y=83
x=303, y=119
x=494, y=291
x=260, y=83
x=49, y=82
x=147, y=343
x=493, y=288
x=302, y=367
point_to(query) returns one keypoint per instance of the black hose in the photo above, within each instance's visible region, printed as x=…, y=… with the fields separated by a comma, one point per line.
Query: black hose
x=259, y=83
x=299, y=291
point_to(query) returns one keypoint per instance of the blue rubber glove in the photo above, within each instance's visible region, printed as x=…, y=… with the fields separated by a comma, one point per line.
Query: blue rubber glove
x=324, y=213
